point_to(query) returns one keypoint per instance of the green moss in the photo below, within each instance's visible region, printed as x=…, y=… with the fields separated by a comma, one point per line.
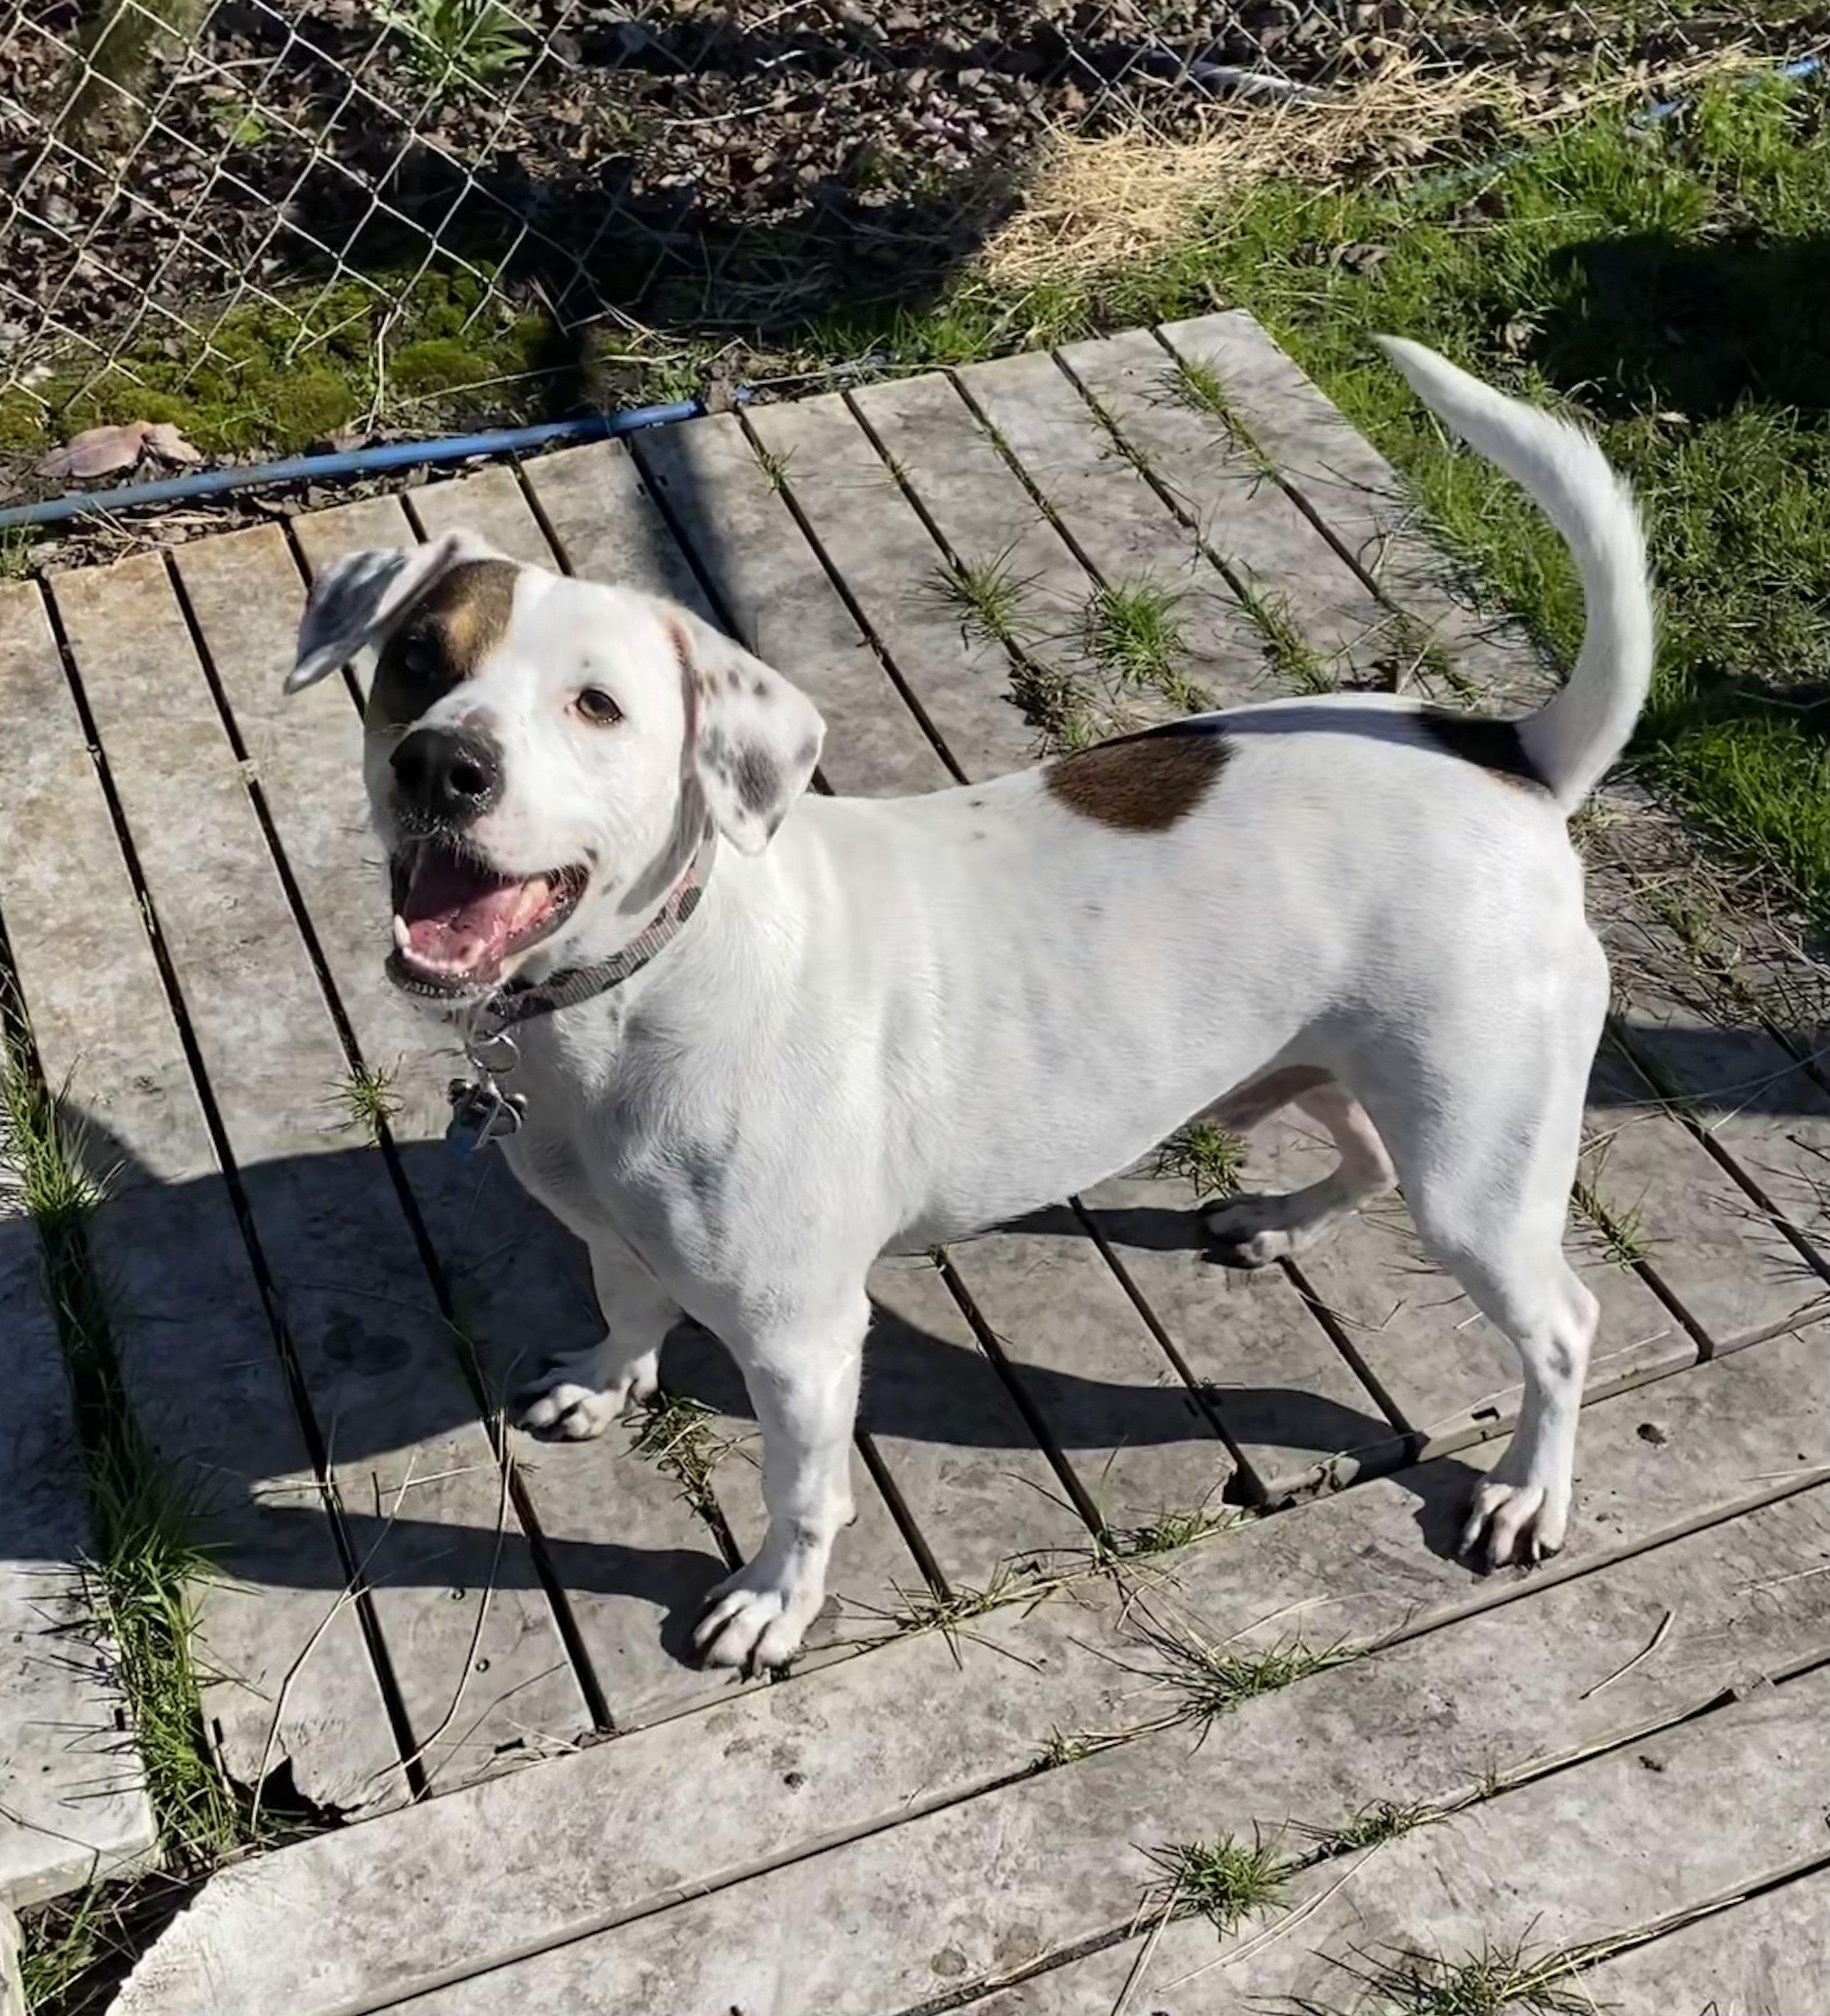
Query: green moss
x=276, y=378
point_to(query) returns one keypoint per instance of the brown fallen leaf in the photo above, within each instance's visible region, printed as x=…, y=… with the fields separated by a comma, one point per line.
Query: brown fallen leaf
x=96, y=451
x=167, y=443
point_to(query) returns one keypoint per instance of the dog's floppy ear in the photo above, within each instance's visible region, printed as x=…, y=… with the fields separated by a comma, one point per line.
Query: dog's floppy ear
x=353, y=600
x=754, y=738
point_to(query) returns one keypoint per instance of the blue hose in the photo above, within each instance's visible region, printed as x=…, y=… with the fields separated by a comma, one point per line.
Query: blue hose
x=350, y=462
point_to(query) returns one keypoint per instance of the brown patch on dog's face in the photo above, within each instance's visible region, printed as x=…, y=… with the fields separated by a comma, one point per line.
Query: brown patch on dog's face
x=1140, y=783
x=463, y=617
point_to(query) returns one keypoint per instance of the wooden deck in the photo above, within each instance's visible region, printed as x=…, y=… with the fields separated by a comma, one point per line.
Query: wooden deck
x=315, y=1334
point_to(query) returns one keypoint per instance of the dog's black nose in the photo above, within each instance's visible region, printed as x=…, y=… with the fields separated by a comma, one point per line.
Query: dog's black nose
x=447, y=776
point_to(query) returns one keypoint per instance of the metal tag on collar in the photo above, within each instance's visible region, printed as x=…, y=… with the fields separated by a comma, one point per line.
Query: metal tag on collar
x=482, y=1112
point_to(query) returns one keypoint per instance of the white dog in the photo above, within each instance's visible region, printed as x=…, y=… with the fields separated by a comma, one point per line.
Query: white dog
x=760, y=1037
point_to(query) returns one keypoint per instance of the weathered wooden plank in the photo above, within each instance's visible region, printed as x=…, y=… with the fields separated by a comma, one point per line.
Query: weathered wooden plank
x=1117, y=521
x=1350, y=489
x=1726, y=1263
x=72, y=1797
x=895, y=575
x=817, y=1757
x=1112, y=1401
x=988, y=1884
x=1291, y=1404
x=995, y=531
x=985, y=1499
x=746, y=545
x=1631, y=1840
x=598, y=506
x=1241, y=514
x=628, y=1551
x=1765, y=1957
x=489, y=502
x=287, y=1676
x=420, y=1492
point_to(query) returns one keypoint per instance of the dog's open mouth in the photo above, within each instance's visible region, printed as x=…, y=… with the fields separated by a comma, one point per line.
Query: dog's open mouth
x=457, y=921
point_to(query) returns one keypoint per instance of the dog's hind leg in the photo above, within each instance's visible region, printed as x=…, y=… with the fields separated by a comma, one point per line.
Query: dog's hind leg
x=578, y=1396
x=803, y=1374
x=1252, y=1231
x=1486, y=1164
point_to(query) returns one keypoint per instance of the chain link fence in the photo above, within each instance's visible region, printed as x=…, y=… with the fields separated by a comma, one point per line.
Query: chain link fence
x=189, y=186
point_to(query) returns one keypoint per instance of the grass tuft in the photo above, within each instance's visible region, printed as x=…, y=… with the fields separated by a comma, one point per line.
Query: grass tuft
x=145, y=1562
x=1133, y=630
x=369, y=1101
x=1170, y=1530
x=1209, y=1678
x=988, y=593
x=678, y=1435
x=1292, y=657
x=1224, y=1881
x=1209, y=1156
x=1498, y=1980
x=1383, y=1820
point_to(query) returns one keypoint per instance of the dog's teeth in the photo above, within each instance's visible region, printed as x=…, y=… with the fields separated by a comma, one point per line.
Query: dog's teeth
x=403, y=938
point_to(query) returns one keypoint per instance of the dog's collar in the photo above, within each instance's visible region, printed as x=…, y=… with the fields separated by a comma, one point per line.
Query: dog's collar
x=522, y=1000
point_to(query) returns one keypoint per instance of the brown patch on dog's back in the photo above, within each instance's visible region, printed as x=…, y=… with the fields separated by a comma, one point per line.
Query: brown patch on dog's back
x=462, y=617
x=1490, y=745
x=1140, y=783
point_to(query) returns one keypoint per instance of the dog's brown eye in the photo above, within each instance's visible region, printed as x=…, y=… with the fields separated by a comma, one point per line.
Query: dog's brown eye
x=596, y=706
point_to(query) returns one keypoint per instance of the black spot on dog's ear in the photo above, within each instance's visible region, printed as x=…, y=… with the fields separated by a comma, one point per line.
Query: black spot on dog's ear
x=1140, y=783
x=1479, y=739
x=758, y=780
x=760, y=690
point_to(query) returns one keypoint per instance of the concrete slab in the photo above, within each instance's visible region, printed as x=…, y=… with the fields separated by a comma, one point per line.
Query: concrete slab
x=1009, y=1877
x=600, y=511
x=985, y=520
x=893, y=573
x=490, y=503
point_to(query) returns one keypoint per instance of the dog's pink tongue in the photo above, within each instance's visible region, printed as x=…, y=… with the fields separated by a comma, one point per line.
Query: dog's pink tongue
x=458, y=917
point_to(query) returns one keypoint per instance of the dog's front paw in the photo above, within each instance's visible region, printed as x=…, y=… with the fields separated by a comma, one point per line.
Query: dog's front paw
x=578, y=1396
x=756, y=1618
x=1515, y=1521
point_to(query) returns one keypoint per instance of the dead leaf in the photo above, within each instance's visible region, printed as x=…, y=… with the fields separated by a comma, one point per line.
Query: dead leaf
x=96, y=451
x=167, y=443
x=1518, y=334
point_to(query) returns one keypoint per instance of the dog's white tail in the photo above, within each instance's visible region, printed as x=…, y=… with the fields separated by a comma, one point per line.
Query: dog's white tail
x=1573, y=739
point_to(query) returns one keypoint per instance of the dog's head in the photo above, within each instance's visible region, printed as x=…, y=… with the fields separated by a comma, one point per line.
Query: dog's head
x=544, y=756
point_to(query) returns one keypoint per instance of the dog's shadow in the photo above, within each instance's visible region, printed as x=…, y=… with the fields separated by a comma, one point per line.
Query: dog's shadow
x=365, y=1397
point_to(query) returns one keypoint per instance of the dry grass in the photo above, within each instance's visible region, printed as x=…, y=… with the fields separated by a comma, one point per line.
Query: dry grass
x=1097, y=204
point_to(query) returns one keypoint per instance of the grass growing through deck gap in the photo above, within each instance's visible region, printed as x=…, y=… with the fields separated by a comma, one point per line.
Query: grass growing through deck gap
x=1224, y=1881
x=1496, y=1979
x=1209, y=1156
x=1133, y=630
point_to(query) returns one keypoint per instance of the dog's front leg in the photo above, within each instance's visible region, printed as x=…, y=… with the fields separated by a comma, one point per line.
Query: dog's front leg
x=802, y=1378
x=578, y=1396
